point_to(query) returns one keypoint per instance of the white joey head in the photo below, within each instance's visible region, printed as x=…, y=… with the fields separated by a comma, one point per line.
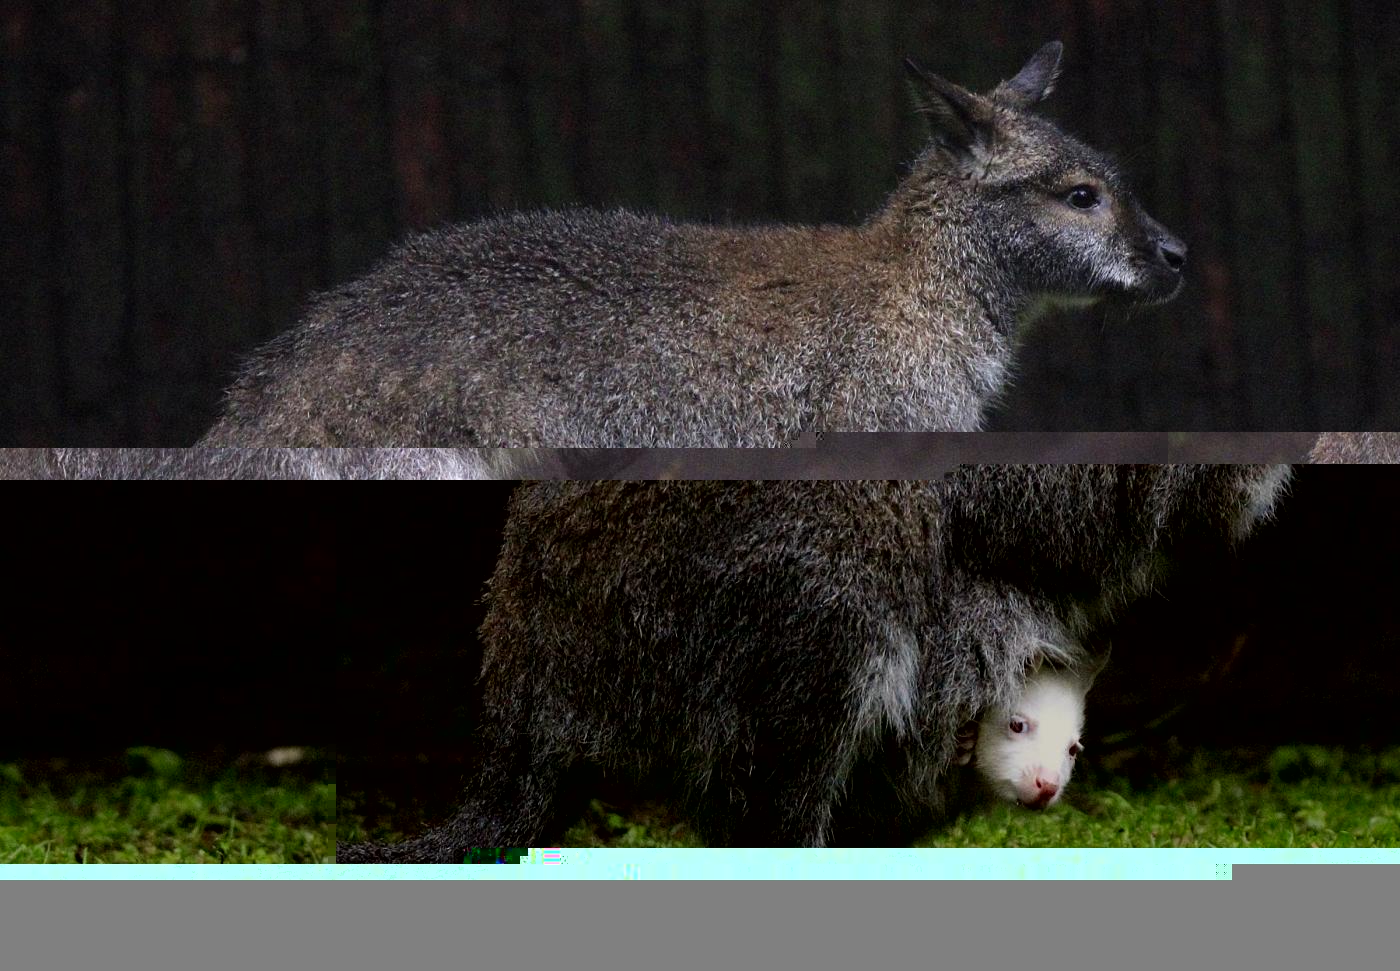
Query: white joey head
x=1025, y=752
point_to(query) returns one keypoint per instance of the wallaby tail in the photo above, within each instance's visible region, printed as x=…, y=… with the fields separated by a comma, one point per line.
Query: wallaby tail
x=509, y=803
x=410, y=851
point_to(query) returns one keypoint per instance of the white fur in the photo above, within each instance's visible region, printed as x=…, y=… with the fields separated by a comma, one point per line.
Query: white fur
x=1033, y=767
x=1263, y=493
x=886, y=689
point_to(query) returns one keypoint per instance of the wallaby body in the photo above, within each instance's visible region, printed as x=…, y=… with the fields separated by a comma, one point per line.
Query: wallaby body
x=589, y=329
x=800, y=656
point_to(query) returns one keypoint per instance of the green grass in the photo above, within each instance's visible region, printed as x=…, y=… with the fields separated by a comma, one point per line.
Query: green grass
x=1293, y=797
x=1213, y=810
x=153, y=807
x=1296, y=796
x=649, y=825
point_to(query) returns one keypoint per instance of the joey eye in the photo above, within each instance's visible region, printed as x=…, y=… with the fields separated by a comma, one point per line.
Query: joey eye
x=1074, y=749
x=1017, y=725
x=1083, y=197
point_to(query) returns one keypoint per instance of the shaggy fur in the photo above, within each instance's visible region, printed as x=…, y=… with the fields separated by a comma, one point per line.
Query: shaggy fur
x=593, y=329
x=1357, y=448
x=799, y=656
x=269, y=463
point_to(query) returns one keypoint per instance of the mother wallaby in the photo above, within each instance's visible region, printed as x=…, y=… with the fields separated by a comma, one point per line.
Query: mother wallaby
x=799, y=657
x=583, y=328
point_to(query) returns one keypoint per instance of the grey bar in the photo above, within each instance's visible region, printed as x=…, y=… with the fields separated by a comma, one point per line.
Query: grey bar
x=842, y=455
x=1365, y=880
x=925, y=455
x=1310, y=917
x=1216, y=448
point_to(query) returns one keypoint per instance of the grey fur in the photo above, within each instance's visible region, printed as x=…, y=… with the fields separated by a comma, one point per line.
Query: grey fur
x=1357, y=448
x=591, y=329
x=273, y=463
x=800, y=656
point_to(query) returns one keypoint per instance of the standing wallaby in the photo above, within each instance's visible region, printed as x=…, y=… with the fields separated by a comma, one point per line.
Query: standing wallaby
x=582, y=328
x=800, y=657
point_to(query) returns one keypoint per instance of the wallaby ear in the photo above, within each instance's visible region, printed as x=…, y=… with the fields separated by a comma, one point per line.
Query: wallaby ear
x=1095, y=668
x=957, y=120
x=1035, y=81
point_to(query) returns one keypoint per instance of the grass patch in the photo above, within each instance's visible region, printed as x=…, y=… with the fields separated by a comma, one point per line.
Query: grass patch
x=1297, y=796
x=152, y=806
x=651, y=825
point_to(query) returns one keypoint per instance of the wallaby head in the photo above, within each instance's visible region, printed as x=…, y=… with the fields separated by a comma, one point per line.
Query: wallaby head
x=1040, y=205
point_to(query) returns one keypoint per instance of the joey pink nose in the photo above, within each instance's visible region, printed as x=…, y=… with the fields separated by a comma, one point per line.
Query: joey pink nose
x=1037, y=792
x=1045, y=791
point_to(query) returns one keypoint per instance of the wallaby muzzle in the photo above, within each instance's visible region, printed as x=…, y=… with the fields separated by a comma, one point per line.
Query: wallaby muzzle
x=1164, y=257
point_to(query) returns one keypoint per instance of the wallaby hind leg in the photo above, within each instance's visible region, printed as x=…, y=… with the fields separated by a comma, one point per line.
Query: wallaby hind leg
x=782, y=791
x=873, y=810
x=795, y=803
x=794, y=813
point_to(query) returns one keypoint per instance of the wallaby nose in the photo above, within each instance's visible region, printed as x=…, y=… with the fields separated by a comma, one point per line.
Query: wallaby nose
x=1042, y=792
x=1172, y=252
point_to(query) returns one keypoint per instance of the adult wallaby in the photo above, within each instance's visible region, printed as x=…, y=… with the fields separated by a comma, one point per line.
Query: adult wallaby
x=800, y=657
x=583, y=328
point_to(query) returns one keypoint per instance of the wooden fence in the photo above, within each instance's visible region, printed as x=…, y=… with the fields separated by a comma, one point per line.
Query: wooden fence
x=177, y=178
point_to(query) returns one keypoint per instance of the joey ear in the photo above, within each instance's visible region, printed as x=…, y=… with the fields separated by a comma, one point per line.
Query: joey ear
x=1095, y=668
x=956, y=118
x=1035, y=81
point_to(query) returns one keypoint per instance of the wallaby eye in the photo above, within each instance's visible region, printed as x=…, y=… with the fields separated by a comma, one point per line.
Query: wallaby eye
x=1083, y=197
x=1074, y=749
x=1017, y=725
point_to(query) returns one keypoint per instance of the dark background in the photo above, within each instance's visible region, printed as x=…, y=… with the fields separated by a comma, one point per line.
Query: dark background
x=345, y=621
x=176, y=179
x=204, y=626
x=1292, y=638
